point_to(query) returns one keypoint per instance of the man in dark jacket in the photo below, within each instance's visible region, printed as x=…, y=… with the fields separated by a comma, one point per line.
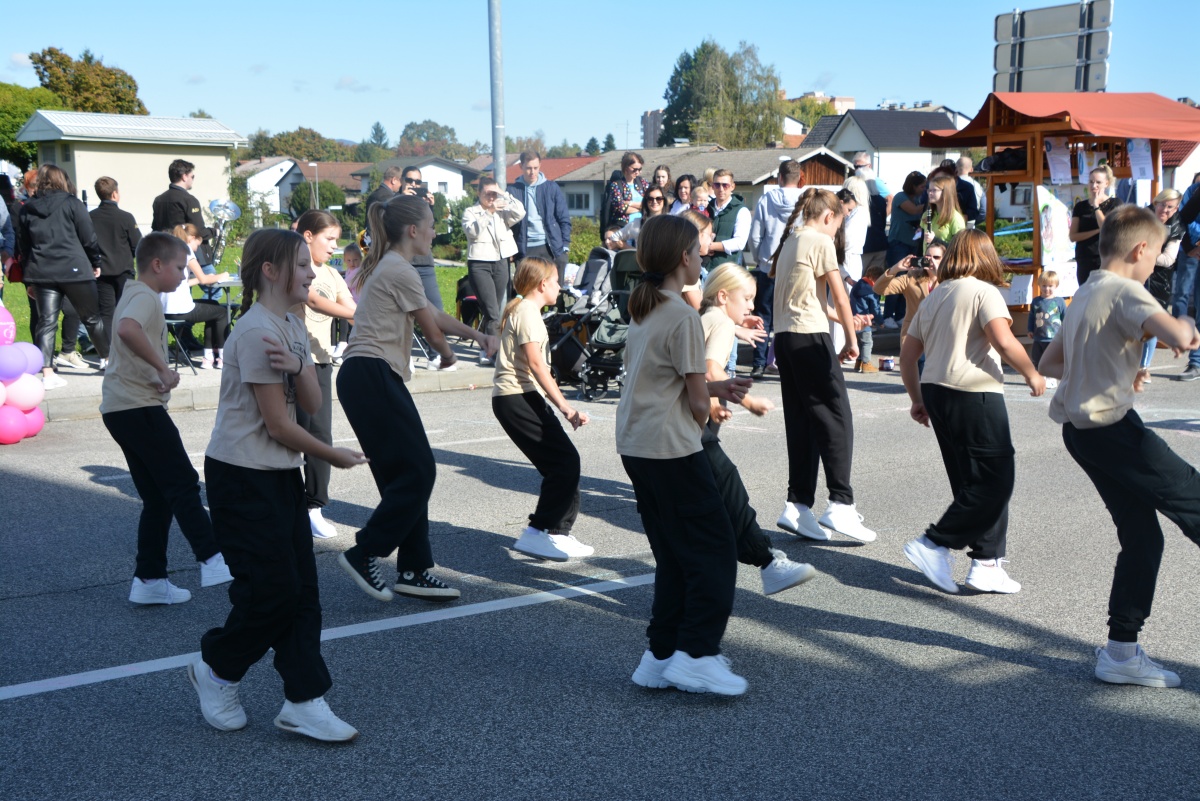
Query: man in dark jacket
x=177, y=206
x=386, y=190
x=118, y=236
x=545, y=230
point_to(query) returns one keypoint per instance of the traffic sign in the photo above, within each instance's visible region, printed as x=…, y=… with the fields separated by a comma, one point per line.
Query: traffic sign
x=1057, y=49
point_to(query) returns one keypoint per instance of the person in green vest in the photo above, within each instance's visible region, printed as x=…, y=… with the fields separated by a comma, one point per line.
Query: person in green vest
x=731, y=221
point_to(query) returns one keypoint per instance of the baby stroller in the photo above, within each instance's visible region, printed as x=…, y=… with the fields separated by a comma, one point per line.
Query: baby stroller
x=604, y=358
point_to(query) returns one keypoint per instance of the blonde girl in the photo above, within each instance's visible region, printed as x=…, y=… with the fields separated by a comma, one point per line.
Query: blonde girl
x=256, y=497
x=942, y=220
x=809, y=293
x=1086, y=218
x=372, y=391
x=663, y=408
x=522, y=391
x=181, y=306
x=328, y=299
x=728, y=298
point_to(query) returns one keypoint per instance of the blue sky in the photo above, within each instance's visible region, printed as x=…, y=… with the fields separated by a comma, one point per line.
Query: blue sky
x=571, y=70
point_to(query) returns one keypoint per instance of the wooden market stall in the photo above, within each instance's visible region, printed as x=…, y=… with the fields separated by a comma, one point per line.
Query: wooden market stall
x=1100, y=124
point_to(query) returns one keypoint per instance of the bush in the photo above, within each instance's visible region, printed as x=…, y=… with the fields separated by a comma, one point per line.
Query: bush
x=585, y=235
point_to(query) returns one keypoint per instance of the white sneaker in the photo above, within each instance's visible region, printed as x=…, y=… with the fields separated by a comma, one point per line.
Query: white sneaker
x=1052, y=383
x=486, y=361
x=783, y=573
x=573, y=547
x=206, y=363
x=935, y=561
x=890, y=324
x=540, y=545
x=707, y=674
x=322, y=529
x=1141, y=669
x=649, y=672
x=845, y=519
x=991, y=578
x=103, y=365
x=53, y=381
x=314, y=719
x=799, y=520
x=434, y=362
x=71, y=359
x=214, y=572
x=218, y=702
x=157, y=591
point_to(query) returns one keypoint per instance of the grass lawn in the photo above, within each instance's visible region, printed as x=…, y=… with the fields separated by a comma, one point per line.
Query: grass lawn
x=15, y=301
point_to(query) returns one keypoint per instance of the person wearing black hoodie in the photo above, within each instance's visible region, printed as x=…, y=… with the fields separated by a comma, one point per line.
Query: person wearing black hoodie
x=118, y=236
x=62, y=258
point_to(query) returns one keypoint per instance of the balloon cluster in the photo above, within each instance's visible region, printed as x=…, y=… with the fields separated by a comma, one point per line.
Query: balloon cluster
x=20, y=389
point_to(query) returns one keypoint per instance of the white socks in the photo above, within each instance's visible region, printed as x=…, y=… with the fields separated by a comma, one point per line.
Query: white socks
x=1121, y=651
x=208, y=353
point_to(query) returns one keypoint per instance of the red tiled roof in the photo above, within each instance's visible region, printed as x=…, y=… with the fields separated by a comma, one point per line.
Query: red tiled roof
x=1175, y=151
x=552, y=168
x=336, y=171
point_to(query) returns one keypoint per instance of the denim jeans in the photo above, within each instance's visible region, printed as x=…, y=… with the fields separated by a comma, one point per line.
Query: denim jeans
x=1185, y=293
x=764, y=300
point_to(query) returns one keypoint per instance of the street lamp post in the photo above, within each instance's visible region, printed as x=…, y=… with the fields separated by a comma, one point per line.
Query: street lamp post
x=316, y=201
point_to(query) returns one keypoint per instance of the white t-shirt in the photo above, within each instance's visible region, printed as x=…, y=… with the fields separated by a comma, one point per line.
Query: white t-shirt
x=180, y=301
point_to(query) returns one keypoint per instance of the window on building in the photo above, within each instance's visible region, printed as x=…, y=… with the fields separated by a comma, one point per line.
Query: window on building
x=579, y=201
x=64, y=151
x=1022, y=195
x=443, y=187
x=47, y=154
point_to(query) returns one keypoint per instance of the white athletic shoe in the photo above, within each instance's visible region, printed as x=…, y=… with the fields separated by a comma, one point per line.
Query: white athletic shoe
x=573, y=547
x=322, y=529
x=214, y=572
x=53, y=381
x=218, y=702
x=935, y=561
x=845, y=519
x=706, y=674
x=649, y=672
x=1141, y=669
x=784, y=574
x=799, y=520
x=314, y=719
x=157, y=591
x=991, y=578
x=540, y=545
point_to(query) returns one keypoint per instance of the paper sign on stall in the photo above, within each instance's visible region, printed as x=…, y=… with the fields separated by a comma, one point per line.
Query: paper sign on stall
x=1058, y=154
x=1139, y=159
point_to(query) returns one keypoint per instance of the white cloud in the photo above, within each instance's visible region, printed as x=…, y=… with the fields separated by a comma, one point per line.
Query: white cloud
x=19, y=61
x=348, y=84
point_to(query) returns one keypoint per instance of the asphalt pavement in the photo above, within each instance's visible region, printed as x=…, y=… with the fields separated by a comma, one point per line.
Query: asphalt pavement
x=864, y=683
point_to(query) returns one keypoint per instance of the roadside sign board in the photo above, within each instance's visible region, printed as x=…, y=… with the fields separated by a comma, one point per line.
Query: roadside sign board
x=1057, y=49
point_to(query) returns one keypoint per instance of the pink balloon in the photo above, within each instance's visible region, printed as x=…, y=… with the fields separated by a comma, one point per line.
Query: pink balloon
x=35, y=420
x=25, y=393
x=8, y=328
x=33, y=356
x=12, y=425
x=12, y=362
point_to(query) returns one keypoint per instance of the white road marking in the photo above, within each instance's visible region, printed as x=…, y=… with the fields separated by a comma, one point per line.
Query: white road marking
x=353, y=630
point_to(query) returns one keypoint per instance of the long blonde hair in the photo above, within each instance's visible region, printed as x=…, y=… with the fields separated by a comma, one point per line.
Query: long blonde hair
x=729, y=277
x=948, y=205
x=531, y=272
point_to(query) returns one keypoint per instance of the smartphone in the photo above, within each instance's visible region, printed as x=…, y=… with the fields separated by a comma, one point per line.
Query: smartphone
x=422, y=191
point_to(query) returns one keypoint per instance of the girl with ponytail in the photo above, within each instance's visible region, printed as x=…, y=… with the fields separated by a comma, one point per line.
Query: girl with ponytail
x=380, y=409
x=522, y=392
x=809, y=293
x=663, y=409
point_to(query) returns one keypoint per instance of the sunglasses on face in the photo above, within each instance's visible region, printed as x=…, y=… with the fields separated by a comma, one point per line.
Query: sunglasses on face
x=654, y=199
x=721, y=185
x=413, y=181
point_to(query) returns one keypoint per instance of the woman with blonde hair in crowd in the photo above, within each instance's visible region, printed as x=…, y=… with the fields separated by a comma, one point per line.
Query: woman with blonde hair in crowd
x=1086, y=218
x=964, y=329
x=942, y=220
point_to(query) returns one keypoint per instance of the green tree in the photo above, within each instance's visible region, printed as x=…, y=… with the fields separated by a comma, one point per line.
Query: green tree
x=428, y=138
x=610, y=144
x=564, y=151
x=87, y=84
x=260, y=144
x=810, y=109
x=17, y=105
x=592, y=148
x=306, y=144
x=379, y=136
x=200, y=114
x=367, y=150
x=585, y=235
x=328, y=192
x=731, y=99
x=522, y=143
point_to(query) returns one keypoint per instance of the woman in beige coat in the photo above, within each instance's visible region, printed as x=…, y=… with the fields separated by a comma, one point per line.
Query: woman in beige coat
x=490, y=245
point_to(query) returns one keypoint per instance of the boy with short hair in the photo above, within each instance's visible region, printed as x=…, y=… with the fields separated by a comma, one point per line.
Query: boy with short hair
x=863, y=300
x=1097, y=355
x=136, y=388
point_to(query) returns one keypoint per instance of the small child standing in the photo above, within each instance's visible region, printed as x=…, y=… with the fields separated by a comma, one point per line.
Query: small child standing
x=351, y=262
x=256, y=494
x=137, y=386
x=522, y=392
x=1136, y=474
x=1045, y=318
x=864, y=301
x=660, y=417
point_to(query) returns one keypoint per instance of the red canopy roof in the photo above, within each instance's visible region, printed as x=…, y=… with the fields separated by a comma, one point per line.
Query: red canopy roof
x=1133, y=115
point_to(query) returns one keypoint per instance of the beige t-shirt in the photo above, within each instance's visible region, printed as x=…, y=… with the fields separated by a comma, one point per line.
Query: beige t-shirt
x=330, y=285
x=654, y=418
x=1102, y=345
x=807, y=255
x=950, y=323
x=513, y=376
x=718, y=336
x=383, y=322
x=239, y=435
x=129, y=381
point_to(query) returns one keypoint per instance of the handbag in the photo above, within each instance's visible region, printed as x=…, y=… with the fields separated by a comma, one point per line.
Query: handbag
x=16, y=271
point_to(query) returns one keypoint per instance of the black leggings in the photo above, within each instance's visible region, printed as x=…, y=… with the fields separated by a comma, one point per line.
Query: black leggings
x=83, y=297
x=215, y=318
x=532, y=426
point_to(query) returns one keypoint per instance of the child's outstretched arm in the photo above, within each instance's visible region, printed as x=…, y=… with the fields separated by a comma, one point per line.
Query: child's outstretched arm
x=272, y=404
x=541, y=374
x=999, y=334
x=1178, y=333
x=134, y=336
x=435, y=324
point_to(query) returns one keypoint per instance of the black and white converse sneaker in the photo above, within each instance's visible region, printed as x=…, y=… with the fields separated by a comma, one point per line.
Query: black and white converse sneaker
x=365, y=572
x=423, y=585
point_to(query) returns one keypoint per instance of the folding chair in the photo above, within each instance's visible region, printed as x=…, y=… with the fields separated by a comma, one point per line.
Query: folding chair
x=179, y=356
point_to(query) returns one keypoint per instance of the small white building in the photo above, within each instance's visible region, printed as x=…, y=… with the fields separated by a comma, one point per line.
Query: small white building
x=263, y=181
x=136, y=151
x=439, y=174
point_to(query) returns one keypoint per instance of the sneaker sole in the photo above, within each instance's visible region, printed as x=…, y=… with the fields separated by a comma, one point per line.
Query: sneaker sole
x=658, y=683
x=992, y=590
x=1121, y=678
x=379, y=595
x=191, y=668
x=157, y=602
x=320, y=535
x=784, y=527
x=428, y=594
x=691, y=684
x=802, y=577
x=561, y=556
x=920, y=565
x=307, y=732
x=871, y=537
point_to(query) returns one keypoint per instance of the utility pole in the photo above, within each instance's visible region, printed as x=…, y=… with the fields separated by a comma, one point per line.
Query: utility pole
x=499, y=162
